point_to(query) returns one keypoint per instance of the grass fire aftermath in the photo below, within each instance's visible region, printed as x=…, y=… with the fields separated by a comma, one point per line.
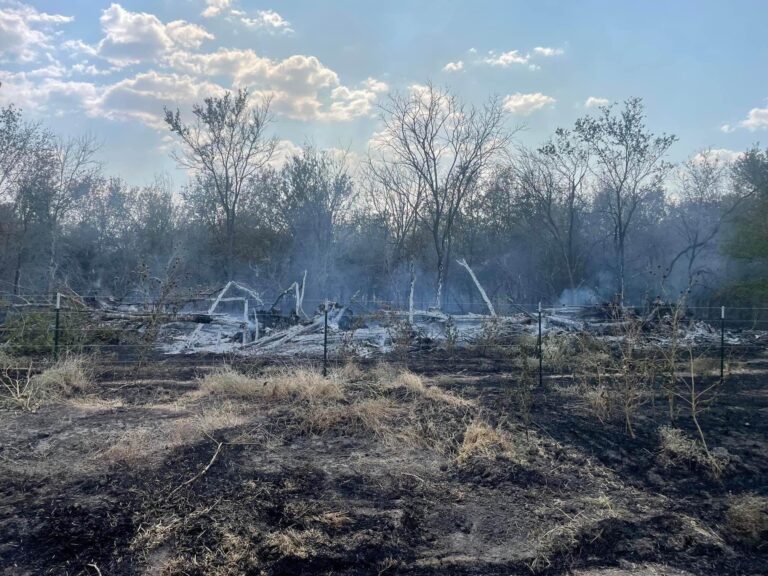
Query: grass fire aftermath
x=380, y=290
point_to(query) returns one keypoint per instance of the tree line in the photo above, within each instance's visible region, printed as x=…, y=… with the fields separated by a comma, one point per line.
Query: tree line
x=596, y=212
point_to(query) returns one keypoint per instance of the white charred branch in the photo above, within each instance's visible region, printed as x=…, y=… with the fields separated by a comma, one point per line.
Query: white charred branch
x=480, y=288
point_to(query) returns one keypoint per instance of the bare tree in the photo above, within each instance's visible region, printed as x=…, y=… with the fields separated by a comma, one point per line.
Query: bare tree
x=704, y=205
x=445, y=147
x=226, y=146
x=630, y=165
x=554, y=180
x=73, y=170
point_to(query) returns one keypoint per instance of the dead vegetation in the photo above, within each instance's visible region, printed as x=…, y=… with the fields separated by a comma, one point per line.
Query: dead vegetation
x=747, y=519
x=278, y=384
x=482, y=441
x=678, y=449
x=27, y=390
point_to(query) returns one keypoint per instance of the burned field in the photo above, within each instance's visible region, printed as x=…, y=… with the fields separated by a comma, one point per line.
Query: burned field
x=450, y=461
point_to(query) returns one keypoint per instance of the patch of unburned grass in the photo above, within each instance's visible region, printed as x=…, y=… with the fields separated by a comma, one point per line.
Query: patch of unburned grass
x=415, y=386
x=279, y=384
x=481, y=440
x=371, y=415
x=69, y=376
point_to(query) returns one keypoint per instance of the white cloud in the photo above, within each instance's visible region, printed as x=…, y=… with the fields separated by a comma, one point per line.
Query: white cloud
x=298, y=84
x=215, y=7
x=50, y=95
x=721, y=154
x=548, y=52
x=757, y=119
x=454, y=66
x=143, y=97
x=135, y=37
x=268, y=20
x=506, y=59
x=594, y=101
x=24, y=31
x=525, y=104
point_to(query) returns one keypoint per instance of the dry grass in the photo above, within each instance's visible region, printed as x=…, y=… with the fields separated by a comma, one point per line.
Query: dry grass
x=747, y=519
x=146, y=446
x=415, y=387
x=334, y=520
x=68, y=377
x=676, y=447
x=599, y=402
x=280, y=384
x=369, y=415
x=564, y=539
x=294, y=543
x=482, y=441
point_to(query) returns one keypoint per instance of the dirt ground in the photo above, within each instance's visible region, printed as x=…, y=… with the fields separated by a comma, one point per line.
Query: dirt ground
x=149, y=473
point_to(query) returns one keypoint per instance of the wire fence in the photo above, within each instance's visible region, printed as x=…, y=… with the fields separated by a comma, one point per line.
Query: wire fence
x=549, y=337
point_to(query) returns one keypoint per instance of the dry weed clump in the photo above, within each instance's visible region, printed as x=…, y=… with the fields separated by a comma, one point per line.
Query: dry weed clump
x=677, y=447
x=599, y=402
x=27, y=391
x=69, y=376
x=415, y=387
x=370, y=415
x=747, y=519
x=565, y=539
x=481, y=440
x=301, y=544
x=284, y=383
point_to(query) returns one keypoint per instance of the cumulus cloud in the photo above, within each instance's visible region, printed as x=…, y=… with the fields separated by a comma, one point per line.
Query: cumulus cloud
x=506, y=59
x=721, y=154
x=525, y=104
x=215, y=7
x=548, y=52
x=298, y=84
x=143, y=96
x=135, y=37
x=757, y=119
x=267, y=20
x=454, y=66
x=24, y=31
x=594, y=101
x=264, y=20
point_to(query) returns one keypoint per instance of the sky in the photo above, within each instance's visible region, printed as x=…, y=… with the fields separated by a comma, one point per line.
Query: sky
x=109, y=68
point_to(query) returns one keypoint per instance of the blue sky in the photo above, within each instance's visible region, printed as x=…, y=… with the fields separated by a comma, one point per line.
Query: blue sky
x=110, y=67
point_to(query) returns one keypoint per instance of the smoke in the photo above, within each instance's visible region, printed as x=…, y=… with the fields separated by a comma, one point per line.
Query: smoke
x=578, y=297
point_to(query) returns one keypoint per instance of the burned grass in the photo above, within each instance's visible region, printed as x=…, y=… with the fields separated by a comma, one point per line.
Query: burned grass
x=375, y=470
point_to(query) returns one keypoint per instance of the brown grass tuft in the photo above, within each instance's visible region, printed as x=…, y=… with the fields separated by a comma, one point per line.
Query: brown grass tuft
x=747, y=518
x=370, y=415
x=294, y=543
x=415, y=387
x=285, y=383
x=69, y=376
x=482, y=441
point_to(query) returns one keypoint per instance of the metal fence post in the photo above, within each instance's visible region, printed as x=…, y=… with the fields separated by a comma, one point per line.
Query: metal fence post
x=541, y=352
x=56, y=328
x=722, y=344
x=325, y=340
